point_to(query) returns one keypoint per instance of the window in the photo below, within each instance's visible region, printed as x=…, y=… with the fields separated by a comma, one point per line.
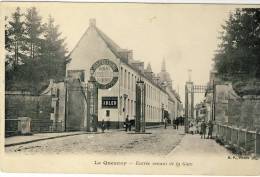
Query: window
x=107, y=113
x=128, y=80
x=125, y=79
x=120, y=105
x=132, y=108
x=132, y=88
x=122, y=77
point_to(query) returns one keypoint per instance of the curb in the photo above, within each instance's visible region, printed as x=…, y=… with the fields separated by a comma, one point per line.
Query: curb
x=61, y=136
x=31, y=141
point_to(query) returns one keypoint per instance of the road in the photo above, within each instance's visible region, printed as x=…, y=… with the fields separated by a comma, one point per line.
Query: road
x=160, y=141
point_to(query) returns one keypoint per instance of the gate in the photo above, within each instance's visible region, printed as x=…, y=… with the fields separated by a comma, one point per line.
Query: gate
x=190, y=89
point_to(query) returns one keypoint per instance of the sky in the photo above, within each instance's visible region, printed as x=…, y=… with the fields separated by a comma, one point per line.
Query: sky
x=186, y=36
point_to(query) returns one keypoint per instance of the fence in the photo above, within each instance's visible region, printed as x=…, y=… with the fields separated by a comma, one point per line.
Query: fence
x=242, y=140
x=12, y=127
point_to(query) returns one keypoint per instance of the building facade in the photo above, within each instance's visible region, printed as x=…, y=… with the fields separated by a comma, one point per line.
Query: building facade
x=118, y=100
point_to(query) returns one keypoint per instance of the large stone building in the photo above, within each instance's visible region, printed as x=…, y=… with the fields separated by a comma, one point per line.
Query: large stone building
x=93, y=47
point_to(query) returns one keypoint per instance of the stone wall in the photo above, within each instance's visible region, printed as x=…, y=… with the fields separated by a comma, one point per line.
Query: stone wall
x=38, y=108
x=244, y=112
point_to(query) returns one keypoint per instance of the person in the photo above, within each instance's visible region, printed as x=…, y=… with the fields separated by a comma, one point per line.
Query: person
x=177, y=121
x=174, y=123
x=103, y=125
x=165, y=122
x=126, y=123
x=108, y=124
x=203, y=129
x=130, y=124
x=198, y=127
x=210, y=129
x=191, y=128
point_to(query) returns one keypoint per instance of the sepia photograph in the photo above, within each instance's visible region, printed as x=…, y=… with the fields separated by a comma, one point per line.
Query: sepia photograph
x=130, y=88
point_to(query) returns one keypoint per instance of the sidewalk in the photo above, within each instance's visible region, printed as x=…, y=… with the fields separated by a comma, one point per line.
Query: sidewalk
x=194, y=145
x=17, y=140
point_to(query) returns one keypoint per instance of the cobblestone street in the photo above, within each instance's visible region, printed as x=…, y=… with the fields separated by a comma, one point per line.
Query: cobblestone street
x=157, y=141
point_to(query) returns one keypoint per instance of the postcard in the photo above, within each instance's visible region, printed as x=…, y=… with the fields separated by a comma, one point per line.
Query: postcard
x=130, y=88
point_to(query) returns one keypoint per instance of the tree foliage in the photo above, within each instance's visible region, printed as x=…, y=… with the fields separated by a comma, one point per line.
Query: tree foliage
x=14, y=36
x=35, y=52
x=239, y=51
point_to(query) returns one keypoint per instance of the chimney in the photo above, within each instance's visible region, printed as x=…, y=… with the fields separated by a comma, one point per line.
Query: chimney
x=130, y=54
x=92, y=22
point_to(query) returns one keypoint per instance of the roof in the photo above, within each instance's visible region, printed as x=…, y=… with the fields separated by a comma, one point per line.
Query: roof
x=118, y=52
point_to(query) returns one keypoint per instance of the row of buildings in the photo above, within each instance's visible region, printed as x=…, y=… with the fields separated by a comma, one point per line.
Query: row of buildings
x=160, y=98
x=116, y=73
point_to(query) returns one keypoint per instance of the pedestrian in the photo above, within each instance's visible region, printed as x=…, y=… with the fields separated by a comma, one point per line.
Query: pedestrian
x=210, y=129
x=130, y=124
x=182, y=120
x=203, y=129
x=165, y=122
x=177, y=122
x=103, y=125
x=174, y=123
x=108, y=124
x=126, y=123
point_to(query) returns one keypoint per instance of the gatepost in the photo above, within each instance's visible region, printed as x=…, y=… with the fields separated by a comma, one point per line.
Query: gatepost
x=92, y=105
x=140, y=107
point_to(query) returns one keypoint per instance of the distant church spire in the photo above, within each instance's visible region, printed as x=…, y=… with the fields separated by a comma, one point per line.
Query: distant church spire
x=149, y=68
x=163, y=66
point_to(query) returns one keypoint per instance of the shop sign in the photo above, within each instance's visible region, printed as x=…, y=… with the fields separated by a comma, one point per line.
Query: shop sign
x=105, y=73
x=109, y=102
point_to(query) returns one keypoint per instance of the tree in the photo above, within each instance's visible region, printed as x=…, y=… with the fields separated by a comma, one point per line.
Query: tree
x=53, y=51
x=33, y=33
x=36, y=50
x=14, y=39
x=239, y=51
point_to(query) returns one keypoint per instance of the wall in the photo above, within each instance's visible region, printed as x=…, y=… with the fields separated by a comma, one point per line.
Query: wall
x=38, y=108
x=244, y=112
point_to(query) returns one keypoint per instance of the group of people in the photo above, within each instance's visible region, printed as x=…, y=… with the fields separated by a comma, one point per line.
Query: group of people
x=178, y=121
x=105, y=125
x=128, y=124
x=203, y=129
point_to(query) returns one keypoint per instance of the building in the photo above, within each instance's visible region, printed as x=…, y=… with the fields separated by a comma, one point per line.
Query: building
x=175, y=105
x=201, y=111
x=96, y=54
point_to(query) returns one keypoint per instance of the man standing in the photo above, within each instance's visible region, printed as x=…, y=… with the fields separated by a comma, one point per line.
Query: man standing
x=103, y=125
x=210, y=126
x=203, y=129
x=177, y=121
x=126, y=123
x=165, y=122
x=108, y=124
